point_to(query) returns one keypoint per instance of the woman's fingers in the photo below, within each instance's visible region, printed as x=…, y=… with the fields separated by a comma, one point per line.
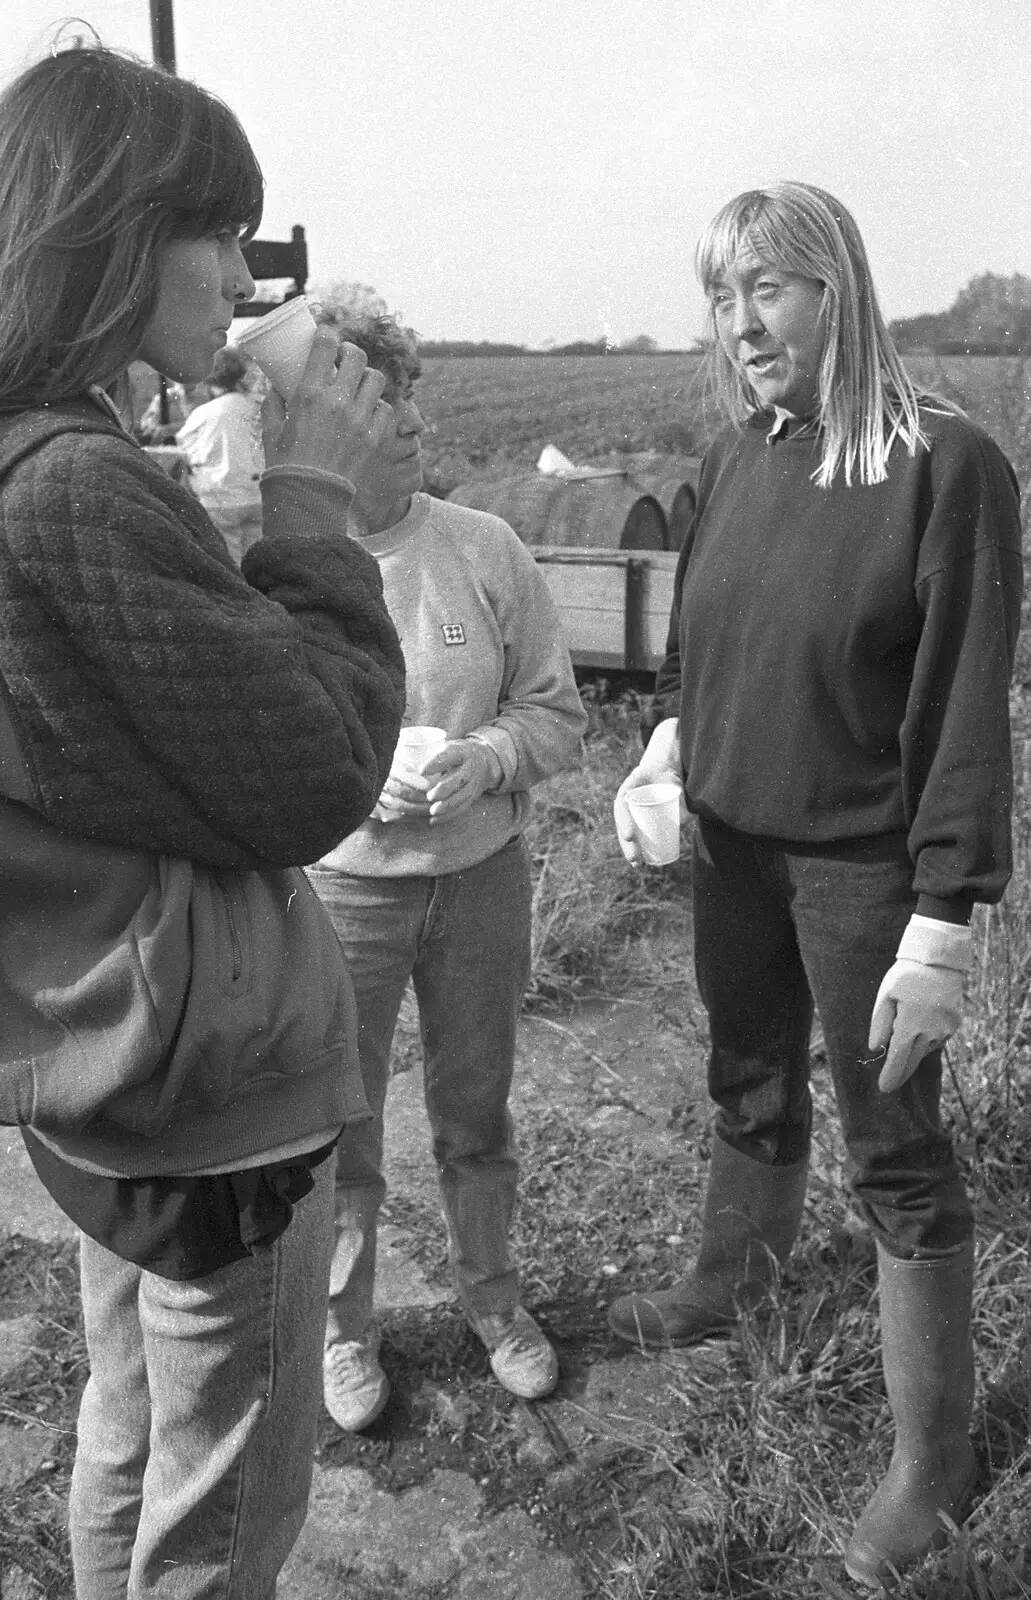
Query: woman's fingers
x=626, y=828
x=356, y=381
x=337, y=417
x=322, y=358
x=273, y=421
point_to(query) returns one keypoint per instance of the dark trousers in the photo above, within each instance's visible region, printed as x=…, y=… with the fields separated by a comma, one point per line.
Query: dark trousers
x=777, y=927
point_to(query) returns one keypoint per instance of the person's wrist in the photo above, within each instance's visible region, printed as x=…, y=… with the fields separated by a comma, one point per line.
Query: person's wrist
x=301, y=470
x=661, y=759
x=937, y=944
x=493, y=770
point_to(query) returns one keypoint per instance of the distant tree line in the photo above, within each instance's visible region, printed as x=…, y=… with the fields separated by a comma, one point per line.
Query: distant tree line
x=641, y=345
x=361, y=299
x=470, y=347
x=991, y=316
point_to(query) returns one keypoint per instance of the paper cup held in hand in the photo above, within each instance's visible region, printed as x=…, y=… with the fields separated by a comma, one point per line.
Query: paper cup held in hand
x=280, y=343
x=416, y=746
x=655, y=808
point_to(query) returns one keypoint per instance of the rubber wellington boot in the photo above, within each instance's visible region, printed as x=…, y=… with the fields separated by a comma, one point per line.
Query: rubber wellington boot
x=750, y=1220
x=929, y=1376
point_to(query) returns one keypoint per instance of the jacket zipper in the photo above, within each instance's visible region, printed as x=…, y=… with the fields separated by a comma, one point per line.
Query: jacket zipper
x=234, y=937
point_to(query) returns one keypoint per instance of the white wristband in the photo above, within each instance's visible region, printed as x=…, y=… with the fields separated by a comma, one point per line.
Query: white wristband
x=937, y=944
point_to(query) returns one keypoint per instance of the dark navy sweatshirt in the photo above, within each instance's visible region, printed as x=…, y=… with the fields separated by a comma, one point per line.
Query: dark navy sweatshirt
x=840, y=658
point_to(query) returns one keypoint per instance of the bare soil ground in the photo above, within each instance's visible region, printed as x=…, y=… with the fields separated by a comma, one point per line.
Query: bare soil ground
x=611, y=1110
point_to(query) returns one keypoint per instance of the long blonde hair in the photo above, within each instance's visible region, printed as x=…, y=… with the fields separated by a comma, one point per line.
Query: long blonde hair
x=867, y=400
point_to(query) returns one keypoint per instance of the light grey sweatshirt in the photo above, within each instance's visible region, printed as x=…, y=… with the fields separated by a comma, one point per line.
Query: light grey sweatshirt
x=485, y=658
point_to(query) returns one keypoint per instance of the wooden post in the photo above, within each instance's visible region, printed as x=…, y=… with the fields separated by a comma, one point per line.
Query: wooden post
x=162, y=33
x=634, y=658
x=162, y=36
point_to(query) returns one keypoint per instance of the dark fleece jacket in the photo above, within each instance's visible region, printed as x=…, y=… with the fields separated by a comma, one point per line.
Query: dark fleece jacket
x=176, y=740
x=163, y=700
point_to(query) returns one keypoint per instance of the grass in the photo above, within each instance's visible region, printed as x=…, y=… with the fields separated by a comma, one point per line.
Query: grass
x=42, y=1279
x=488, y=417
x=590, y=909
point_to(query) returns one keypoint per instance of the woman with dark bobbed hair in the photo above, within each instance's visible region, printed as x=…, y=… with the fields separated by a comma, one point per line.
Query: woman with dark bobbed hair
x=834, y=701
x=176, y=739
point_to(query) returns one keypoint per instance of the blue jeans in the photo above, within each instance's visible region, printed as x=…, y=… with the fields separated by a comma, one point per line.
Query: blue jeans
x=197, y=1425
x=778, y=926
x=464, y=941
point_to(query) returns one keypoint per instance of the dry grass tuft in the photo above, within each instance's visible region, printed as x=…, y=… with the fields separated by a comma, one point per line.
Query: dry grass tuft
x=592, y=912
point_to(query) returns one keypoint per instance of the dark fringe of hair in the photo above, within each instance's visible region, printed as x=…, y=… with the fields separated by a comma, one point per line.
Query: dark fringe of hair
x=103, y=160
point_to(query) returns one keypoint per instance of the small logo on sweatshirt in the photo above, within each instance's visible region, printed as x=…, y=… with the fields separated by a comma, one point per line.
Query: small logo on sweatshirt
x=453, y=632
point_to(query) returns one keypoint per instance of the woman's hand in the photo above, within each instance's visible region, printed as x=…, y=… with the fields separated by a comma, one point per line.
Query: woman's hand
x=463, y=771
x=919, y=1004
x=659, y=764
x=403, y=794
x=917, y=1009
x=450, y=783
x=335, y=419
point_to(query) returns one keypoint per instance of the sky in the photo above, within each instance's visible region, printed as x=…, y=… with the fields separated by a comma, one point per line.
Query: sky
x=540, y=170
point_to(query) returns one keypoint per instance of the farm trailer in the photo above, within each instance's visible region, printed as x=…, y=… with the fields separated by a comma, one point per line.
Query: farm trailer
x=613, y=605
x=606, y=542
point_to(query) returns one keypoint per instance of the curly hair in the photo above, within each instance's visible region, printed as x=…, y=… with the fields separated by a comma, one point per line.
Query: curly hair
x=390, y=346
x=229, y=369
x=867, y=400
x=103, y=161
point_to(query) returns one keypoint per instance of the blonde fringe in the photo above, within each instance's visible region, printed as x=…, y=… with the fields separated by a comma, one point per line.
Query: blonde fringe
x=868, y=404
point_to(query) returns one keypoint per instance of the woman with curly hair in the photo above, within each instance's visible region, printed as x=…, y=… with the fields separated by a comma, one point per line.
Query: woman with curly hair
x=435, y=887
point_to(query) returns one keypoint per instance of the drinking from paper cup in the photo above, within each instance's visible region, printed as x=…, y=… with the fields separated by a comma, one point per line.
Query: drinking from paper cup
x=280, y=343
x=416, y=747
x=655, y=808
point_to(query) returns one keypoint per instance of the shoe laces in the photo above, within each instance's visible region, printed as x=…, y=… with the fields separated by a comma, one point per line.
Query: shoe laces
x=353, y=1358
x=515, y=1336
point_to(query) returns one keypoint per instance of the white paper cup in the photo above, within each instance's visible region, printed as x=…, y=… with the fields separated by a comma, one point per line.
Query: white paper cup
x=655, y=808
x=416, y=746
x=280, y=343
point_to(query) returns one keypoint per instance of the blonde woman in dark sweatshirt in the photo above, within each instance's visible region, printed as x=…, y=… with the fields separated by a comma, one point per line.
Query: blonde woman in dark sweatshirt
x=834, y=701
x=435, y=887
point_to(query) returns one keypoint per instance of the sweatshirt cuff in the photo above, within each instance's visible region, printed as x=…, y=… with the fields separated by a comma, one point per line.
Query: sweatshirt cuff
x=503, y=746
x=937, y=944
x=304, y=500
x=954, y=909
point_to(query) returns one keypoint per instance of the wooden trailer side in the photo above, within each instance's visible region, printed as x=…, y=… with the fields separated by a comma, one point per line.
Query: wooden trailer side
x=613, y=605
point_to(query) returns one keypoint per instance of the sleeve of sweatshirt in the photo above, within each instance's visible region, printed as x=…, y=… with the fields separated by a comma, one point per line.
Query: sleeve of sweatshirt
x=237, y=719
x=540, y=719
x=955, y=738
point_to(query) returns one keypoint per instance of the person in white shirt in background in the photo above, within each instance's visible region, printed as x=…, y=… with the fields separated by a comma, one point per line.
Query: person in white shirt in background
x=221, y=441
x=435, y=886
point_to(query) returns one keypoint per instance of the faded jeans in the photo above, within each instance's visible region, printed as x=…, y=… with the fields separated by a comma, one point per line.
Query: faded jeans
x=778, y=926
x=464, y=940
x=197, y=1425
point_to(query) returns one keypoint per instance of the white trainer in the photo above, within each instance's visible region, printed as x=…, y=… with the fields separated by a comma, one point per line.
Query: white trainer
x=521, y=1357
x=354, y=1385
